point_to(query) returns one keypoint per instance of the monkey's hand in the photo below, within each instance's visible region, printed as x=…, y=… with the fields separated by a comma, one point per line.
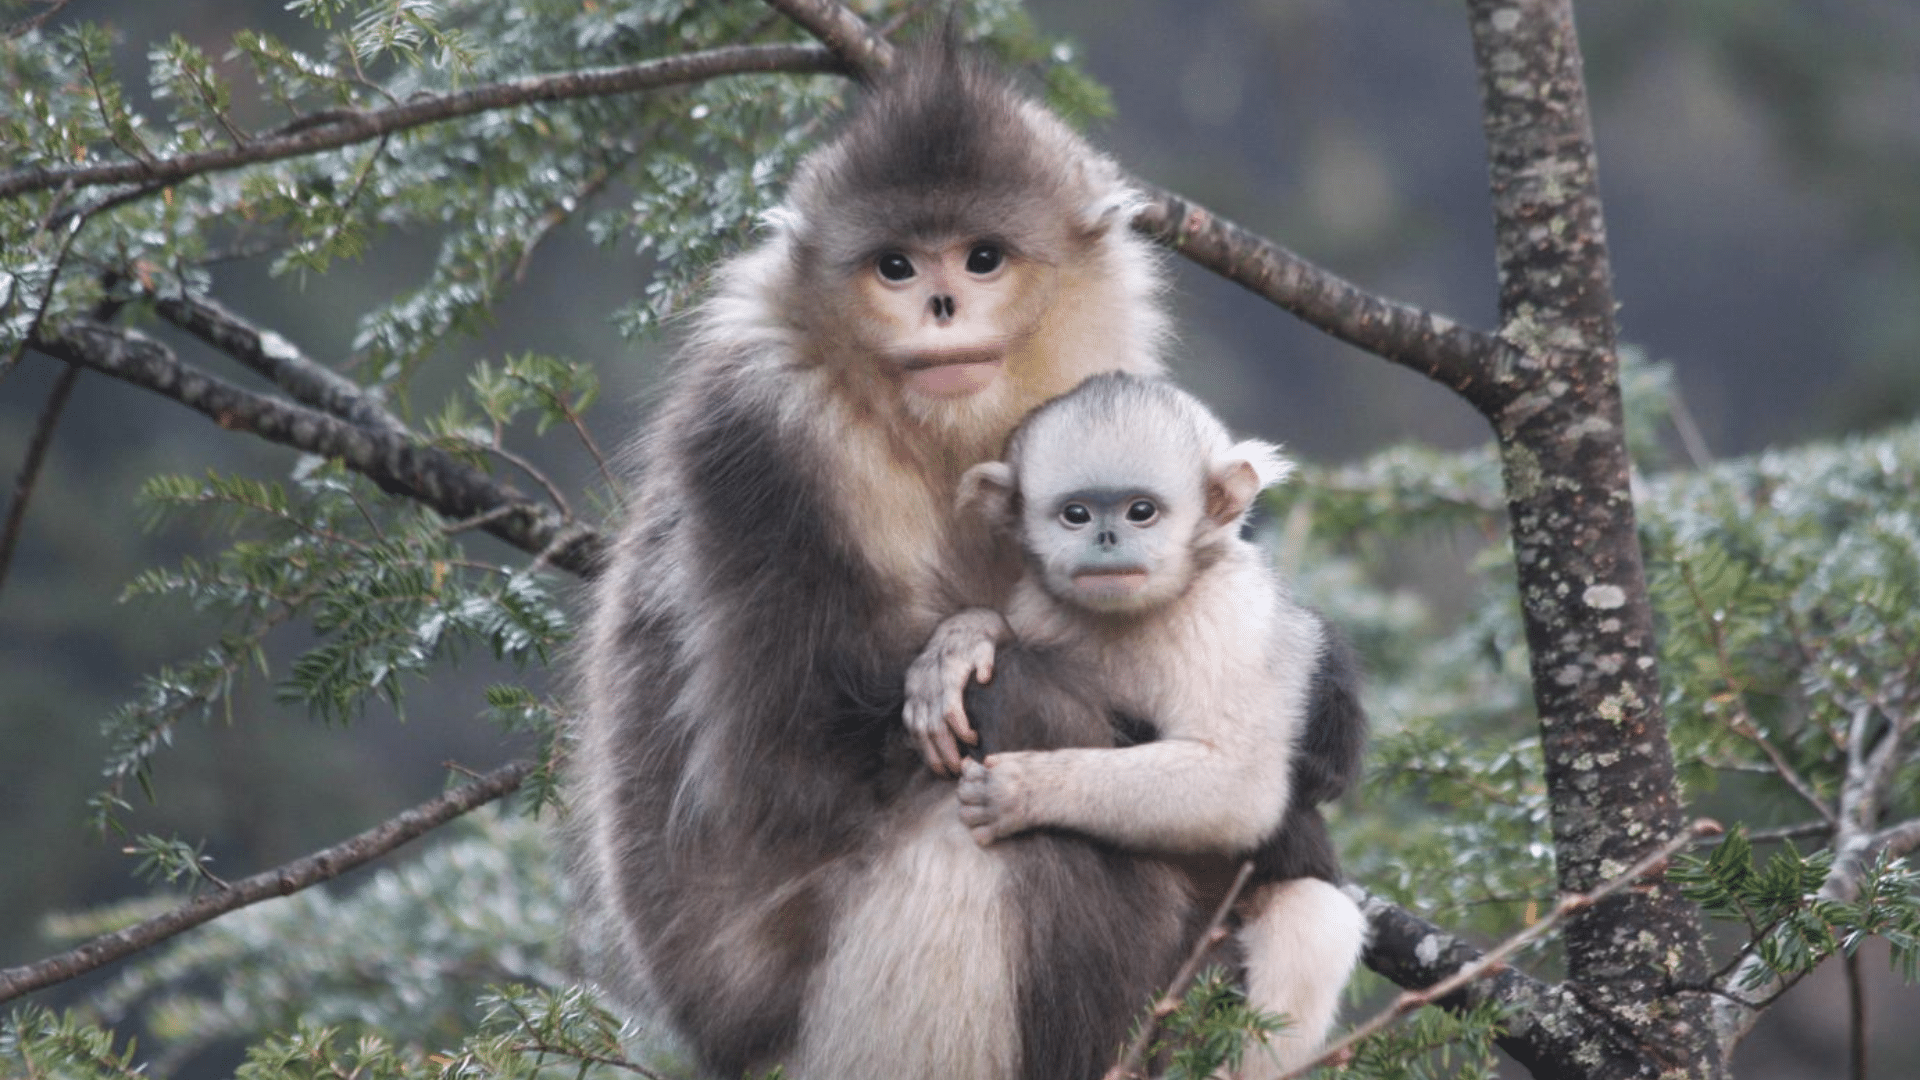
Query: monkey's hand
x=995, y=797
x=962, y=648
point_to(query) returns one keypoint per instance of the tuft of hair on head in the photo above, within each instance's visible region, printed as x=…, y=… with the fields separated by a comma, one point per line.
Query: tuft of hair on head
x=943, y=143
x=1271, y=465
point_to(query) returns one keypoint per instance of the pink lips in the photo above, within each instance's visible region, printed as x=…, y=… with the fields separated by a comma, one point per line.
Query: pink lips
x=952, y=374
x=1110, y=584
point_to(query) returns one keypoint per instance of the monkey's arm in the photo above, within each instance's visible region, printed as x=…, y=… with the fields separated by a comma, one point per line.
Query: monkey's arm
x=962, y=647
x=1172, y=796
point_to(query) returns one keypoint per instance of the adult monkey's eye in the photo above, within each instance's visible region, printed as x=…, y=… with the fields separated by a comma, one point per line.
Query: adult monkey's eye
x=1075, y=514
x=1142, y=511
x=984, y=259
x=894, y=266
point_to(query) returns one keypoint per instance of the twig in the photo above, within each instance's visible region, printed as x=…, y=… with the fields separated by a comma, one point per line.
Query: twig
x=1133, y=1059
x=1856, y=1018
x=281, y=881
x=53, y=275
x=1802, y=831
x=350, y=126
x=399, y=465
x=33, y=22
x=30, y=466
x=1742, y=722
x=1495, y=958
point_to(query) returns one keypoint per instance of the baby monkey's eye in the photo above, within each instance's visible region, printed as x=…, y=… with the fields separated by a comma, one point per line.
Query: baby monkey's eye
x=984, y=259
x=1142, y=511
x=1075, y=514
x=894, y=266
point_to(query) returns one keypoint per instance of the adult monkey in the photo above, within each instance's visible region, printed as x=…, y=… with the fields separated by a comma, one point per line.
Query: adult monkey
x=768, y=867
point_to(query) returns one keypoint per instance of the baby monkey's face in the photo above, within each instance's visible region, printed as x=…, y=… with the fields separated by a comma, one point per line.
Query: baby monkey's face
x=1113, y=547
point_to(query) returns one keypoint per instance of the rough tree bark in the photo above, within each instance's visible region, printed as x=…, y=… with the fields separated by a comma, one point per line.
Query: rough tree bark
x=1609, y=764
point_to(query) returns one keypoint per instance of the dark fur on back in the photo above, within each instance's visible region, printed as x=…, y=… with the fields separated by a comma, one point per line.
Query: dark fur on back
x=810, y=712
x=1325, y=764
x=1107, y=929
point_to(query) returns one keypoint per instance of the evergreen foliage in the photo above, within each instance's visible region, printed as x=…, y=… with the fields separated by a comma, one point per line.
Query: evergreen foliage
x=1787, y=585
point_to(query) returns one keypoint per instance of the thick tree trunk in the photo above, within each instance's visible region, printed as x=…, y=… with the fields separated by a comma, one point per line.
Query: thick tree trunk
x=1609, y=764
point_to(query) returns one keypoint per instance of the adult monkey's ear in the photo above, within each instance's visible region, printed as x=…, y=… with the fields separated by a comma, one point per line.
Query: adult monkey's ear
x=989, y=490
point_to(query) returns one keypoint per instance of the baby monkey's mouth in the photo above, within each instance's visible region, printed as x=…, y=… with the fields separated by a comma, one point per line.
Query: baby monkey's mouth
x=1114, y=584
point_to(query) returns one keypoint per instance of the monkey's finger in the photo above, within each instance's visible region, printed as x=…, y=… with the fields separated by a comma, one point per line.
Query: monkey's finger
x=949, y=751
x=957, y=723
x=929, y=744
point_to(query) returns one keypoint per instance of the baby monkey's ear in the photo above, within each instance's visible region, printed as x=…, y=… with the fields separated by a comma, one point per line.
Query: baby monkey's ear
x=989, y=490
x=1238, y=477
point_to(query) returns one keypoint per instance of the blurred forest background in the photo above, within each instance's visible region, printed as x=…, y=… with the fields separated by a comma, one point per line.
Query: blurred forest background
x=1760, y=164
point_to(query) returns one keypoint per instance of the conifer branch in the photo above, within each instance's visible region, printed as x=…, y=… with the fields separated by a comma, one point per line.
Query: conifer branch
x=283, y=880
x=399, y=465
x=346, y=127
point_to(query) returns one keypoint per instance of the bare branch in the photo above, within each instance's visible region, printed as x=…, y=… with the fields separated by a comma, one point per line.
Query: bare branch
x=304, y=379
x=347, y=127
x=280, y=881
x=30, y=466
x=860, y=48
x=1451, y=354
x=1898, y=840
x=452, y=488
x=33, y=22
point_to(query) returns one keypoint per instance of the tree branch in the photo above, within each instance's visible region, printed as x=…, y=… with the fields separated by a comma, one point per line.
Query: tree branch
x=280, y=881
x=452, y=488
x=306, y=380
x=1468, y=970
x=1442, y=350
x=31, y=23
x=859, y=48
x=30, y=466
x=332, y=130
x=1548, y=1029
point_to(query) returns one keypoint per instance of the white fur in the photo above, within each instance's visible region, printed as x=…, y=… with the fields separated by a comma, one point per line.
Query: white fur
x=1302, y=940
x=916, y=981
x=1268, y=462
x=1225, y=676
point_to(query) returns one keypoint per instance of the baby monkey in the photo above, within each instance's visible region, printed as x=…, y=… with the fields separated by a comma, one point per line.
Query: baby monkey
x=1127, y=496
